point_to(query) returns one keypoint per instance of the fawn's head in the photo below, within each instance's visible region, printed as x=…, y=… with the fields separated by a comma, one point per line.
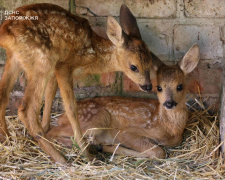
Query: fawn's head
x=132, y=54
x=171, y=87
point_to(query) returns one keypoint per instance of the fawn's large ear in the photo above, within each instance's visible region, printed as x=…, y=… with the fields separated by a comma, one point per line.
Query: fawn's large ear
x=156, y=64
x=128, y=22
x=190, y=60
x=114, y=31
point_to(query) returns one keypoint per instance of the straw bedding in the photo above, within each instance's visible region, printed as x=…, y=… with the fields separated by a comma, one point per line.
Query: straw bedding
x=197, y=158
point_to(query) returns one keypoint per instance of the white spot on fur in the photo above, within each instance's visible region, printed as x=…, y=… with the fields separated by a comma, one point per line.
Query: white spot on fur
x=94, y=111
x=53, y=12
x=90, y=51
x=88, y=116
x=40, y=53
x=155, y=118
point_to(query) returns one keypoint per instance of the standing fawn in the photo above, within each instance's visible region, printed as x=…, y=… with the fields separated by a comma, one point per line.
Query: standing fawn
x=57, y=47
x=137, y=124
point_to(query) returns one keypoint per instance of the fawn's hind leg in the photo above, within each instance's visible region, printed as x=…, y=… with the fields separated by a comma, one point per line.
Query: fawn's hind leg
x=49, y=97
x=30, y=109
x=10, y=74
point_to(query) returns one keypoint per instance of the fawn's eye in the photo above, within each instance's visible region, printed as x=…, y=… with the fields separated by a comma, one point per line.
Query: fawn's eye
x=159, y=89
x=134, y=68
x=180, y=87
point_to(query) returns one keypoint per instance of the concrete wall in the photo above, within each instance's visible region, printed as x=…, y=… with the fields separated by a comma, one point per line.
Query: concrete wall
x=169, y=27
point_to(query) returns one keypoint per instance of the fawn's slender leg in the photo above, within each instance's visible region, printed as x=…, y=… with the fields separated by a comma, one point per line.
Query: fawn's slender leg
x=30, y=109
x=120, y=151
x=49, y=97
x=158, y=152
x=10, y=74
x=65, y=81
x=142, y=146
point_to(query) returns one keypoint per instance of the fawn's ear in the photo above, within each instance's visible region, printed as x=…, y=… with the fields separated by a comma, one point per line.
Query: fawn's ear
x=114, y=31
x=128, y=22
x=190, y=60
x=156, y=64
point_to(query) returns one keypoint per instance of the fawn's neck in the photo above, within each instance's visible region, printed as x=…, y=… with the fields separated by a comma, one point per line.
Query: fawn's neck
x=106, y=59
x=174, y=120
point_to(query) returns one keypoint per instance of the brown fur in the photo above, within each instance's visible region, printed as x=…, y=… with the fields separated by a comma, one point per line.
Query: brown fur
x=53, y=49
x=137, y=124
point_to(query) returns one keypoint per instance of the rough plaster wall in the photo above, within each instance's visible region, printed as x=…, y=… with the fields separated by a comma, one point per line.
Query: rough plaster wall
x=169, y=27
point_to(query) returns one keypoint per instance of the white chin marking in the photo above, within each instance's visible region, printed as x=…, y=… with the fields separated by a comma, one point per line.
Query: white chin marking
x=170, y=108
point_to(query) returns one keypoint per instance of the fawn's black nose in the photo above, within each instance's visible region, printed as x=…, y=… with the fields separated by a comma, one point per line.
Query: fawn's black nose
x=169, y=104
x=147, y=87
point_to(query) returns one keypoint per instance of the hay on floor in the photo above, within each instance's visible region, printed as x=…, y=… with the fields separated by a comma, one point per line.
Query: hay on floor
x=197, y=157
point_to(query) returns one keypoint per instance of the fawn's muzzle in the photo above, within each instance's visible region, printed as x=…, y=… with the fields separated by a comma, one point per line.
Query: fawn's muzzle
x=169, y=104
x=146, y=88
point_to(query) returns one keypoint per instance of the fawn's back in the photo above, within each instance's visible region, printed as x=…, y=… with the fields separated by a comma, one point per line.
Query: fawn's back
x=53, y=36
x=58, y=36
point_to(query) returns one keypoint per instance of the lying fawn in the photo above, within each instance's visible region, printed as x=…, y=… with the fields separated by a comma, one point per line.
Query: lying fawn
x=137, y=124
x=57, y=47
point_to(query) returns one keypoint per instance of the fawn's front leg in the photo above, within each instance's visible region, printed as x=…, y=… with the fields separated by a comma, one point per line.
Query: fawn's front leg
x=49, y=97
x=65, y=81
